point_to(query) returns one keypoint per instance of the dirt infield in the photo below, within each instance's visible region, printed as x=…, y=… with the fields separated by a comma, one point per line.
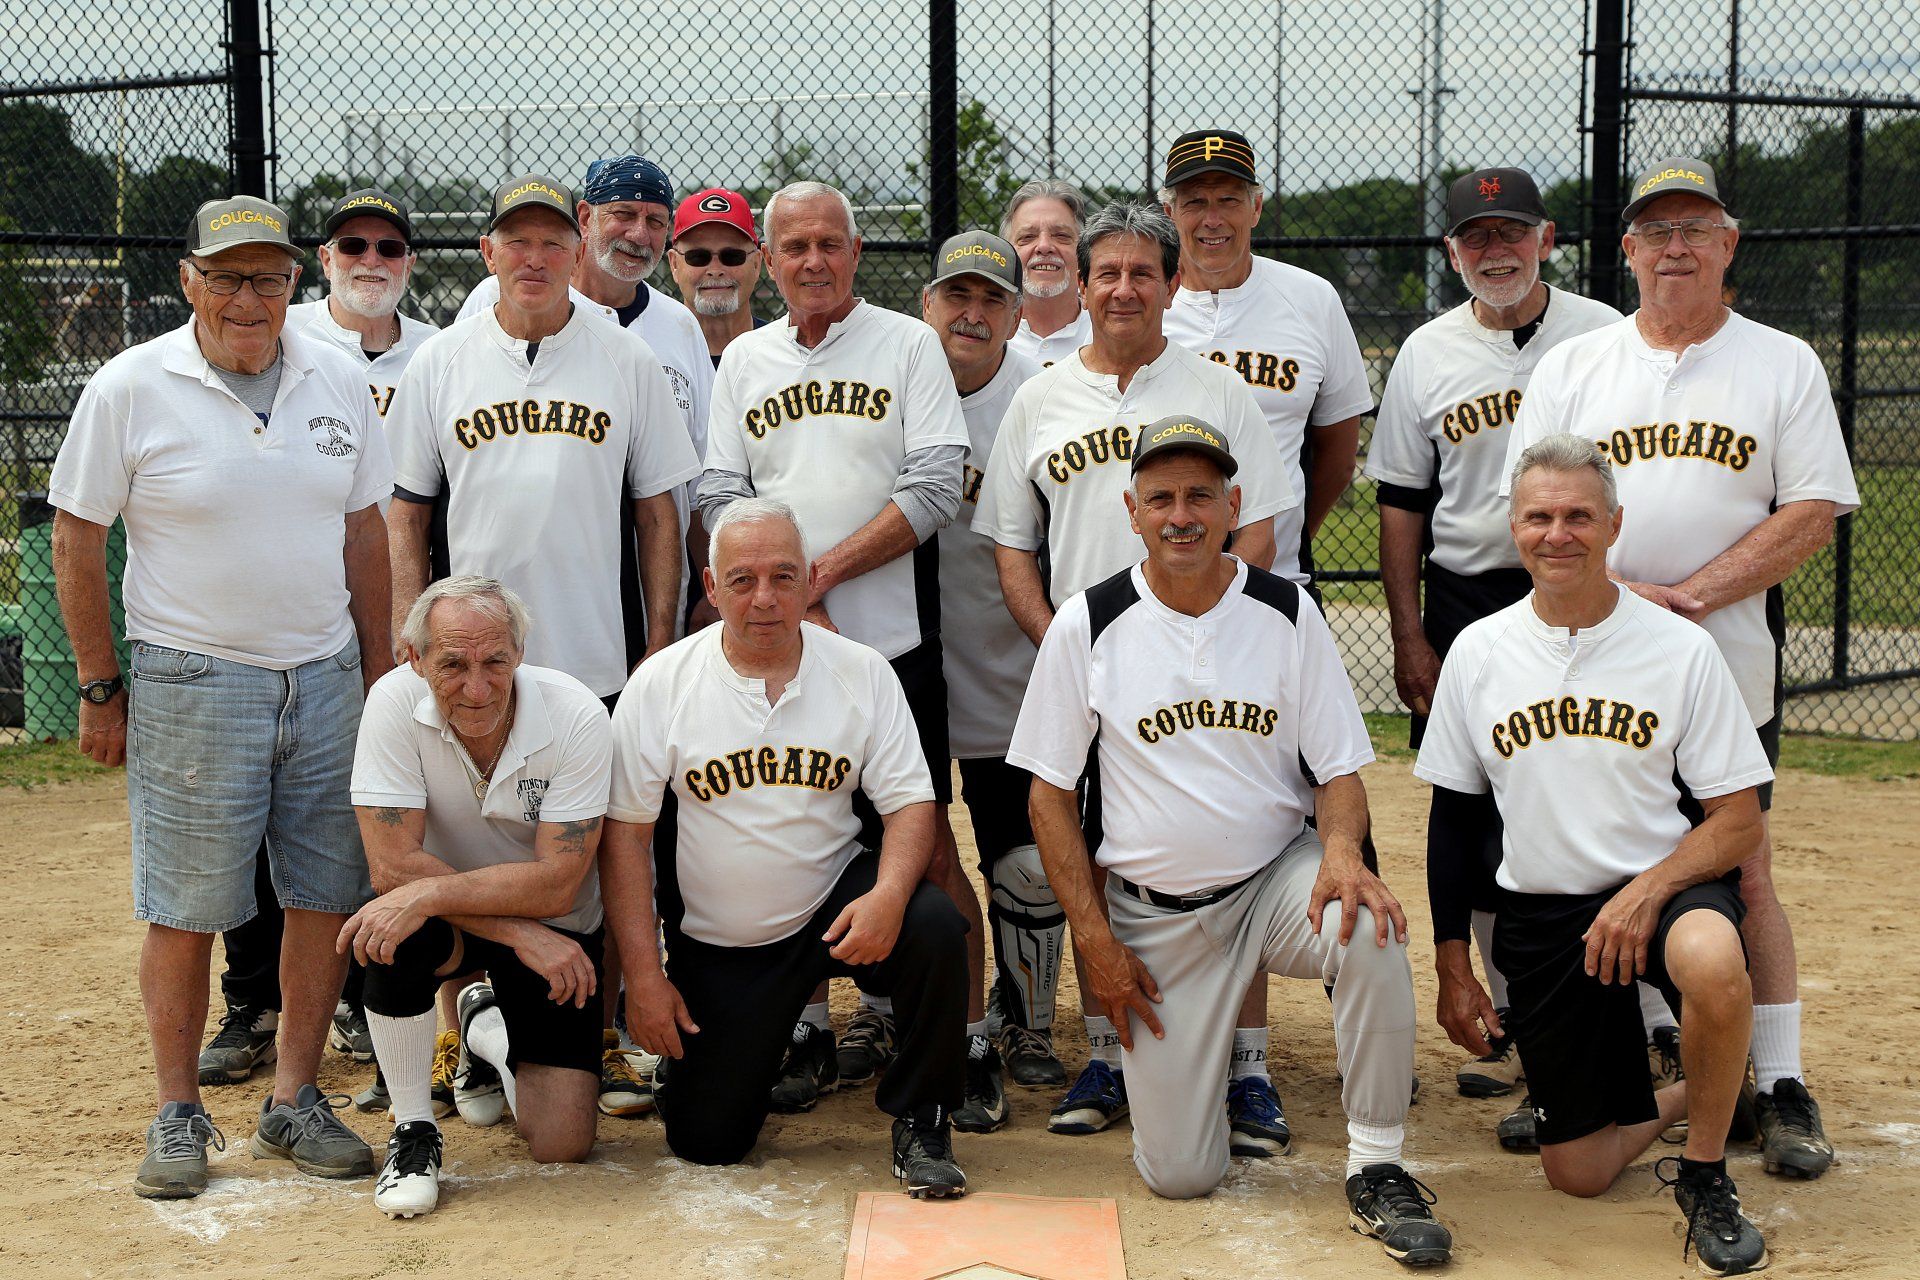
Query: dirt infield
x=75, y=1083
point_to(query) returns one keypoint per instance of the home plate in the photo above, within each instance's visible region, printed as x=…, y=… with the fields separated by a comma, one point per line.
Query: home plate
x=984, y=1237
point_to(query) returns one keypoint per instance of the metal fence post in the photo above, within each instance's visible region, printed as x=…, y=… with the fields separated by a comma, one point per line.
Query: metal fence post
x=943, y=118
x=245, y=56
x=1849, y=395
x=1609, y=123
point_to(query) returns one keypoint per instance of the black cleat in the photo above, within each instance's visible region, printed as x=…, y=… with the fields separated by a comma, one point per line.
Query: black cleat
x=1719, y=1236
x=1792, y=1141
x=985, y=1107
x=923, y=1156
x=1030, y=1059
x=1391, y=1205
x=868, y=1047
x=811, y=1069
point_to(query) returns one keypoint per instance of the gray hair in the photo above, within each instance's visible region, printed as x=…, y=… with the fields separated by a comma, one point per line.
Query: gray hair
x=1566, y=454
x=750, y=511
x=488, y=596
x=805, y=191
x=1126, y=218
x=1165, y=194
x=1047, y=189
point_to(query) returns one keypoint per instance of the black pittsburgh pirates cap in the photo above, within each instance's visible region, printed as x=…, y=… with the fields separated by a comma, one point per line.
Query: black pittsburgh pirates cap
x=532, y=191
x=1209, y=151
x=1180, y=432
x=368, y=202
x=1494, y=193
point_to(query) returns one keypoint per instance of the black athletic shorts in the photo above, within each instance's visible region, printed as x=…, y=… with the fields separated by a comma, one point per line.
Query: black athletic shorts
x=1582, y=1043
x=1455, y=601
x=996, y=795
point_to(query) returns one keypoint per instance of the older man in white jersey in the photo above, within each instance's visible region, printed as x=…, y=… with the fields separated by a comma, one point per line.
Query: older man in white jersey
x=1043, y=222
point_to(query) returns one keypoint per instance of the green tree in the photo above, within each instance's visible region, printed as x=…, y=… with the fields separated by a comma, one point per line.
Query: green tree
x=26, y=340
x=47, y=181
x=161, y=202
x=986, y=172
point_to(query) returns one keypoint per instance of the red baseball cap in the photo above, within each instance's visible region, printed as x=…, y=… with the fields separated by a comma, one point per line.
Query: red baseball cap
x=715, y=204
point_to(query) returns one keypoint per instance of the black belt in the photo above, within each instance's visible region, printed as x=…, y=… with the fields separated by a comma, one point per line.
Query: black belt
x=1174, y=901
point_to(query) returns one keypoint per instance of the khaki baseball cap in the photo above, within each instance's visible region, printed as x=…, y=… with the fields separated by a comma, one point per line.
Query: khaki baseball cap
x=1673, y=176
x=978, y=253
x=532, y=191
x=237, y=220
x=1181, y=432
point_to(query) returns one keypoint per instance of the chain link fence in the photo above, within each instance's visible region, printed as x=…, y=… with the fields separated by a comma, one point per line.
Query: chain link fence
x=929, y=114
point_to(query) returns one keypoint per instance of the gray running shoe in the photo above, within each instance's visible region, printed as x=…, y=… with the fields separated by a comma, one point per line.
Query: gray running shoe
x=374, y=1097
x=176, y=1163
x=868, y=1046
x=310, y=1135
x=1792, y=1141
x=245, y=1040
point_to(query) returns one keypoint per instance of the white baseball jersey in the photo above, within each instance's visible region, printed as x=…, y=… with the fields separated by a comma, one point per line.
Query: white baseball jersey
x=535, y=461
x=986, y=657
x=1704, y=447
x=825, y=429
x=763, y=793
x=236, y=529
x=1582, y=736
x=1204, y=724
x=1061, y=464
x=1056, y=346
x=384, y=370
x=1454, y=388
x=556, y=766
x=1287, y=336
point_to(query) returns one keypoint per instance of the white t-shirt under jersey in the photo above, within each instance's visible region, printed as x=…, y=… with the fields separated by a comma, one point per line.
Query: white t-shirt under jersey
x=556, y=766
x=985, y=655
x=1056, y=346
x=1203, y=724
x=1704, y=447
x=540, y=509
x=236, y=529
x=384, y=370
x=825, y=429
x=1581, y=738
x=1455, y=387
x=1287, y=336
x=763, y=793
x=1062, y=461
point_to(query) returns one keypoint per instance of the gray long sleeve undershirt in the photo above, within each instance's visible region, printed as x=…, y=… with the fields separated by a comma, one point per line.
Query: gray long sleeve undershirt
x=927, y=490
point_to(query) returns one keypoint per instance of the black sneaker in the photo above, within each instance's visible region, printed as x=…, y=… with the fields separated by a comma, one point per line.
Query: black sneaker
x=1256, y=1123
x=1792, y=1141
x=1030, y=1058
x=409, y=1183
x=1663, y=1057
x=1516, y=1129
x=245, y=1040
x=1718, y=1235
x=349, y=1034
x=867, y=1048
x=923, y=1156
x=810, y=1070
x=985, y=1108
x=1391, y=1205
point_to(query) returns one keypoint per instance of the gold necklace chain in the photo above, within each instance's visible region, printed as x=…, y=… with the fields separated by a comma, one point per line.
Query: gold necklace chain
x=482, y=777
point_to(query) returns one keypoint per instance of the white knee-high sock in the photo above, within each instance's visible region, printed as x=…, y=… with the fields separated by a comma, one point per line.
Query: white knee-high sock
x=1496, y=980
x=487, y=1040
x=404, y=1048
x=1654, y=1012
x=1776, y=1044
x=1373, y=1144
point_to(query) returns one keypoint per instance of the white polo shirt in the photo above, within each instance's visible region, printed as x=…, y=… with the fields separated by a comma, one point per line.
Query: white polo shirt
x=384, y=370
x=986, y=656
x=825, y=430
x=1203, y=724
x=1581, y=738
x=1704, y=446
x=1056, y=346
x=538, y=506
x=236, y=529
x=764, y=793
x=1287, y=336
x=556, y=767
x=1061, y=464
x=1455, y=388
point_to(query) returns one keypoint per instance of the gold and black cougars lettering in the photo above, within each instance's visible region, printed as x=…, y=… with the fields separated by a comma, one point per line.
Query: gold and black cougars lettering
x=1547, y=719
x=1489, y=412
x=1094, y=449
x=1261, y=368
x=841, y=398
x=533, y=418
x=1695, y=439
x=770, y=767
x=1205, y=713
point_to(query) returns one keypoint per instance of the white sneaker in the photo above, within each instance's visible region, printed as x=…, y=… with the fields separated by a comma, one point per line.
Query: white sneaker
x=478, y=1094
x=409, y=1182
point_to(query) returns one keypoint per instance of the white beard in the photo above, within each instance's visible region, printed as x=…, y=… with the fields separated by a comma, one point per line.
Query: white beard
x=1508, y=292
x=370, y=301
x=1043, y=291
x=622, y=265
x=715, y=304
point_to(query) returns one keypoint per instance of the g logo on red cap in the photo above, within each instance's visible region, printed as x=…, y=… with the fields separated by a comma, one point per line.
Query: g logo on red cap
x=716, y=204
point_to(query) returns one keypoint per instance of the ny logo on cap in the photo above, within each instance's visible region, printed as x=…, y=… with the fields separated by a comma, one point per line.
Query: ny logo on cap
x=716, y=204
x=1489, y=188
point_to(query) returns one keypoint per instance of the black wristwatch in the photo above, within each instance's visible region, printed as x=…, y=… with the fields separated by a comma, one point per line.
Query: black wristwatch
x=100, y=692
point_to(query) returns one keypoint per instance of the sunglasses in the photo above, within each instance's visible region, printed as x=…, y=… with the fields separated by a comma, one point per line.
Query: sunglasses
x=354, y=246
x=701, y=257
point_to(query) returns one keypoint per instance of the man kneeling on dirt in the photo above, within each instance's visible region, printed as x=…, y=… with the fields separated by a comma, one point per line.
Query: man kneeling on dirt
x=480, y=784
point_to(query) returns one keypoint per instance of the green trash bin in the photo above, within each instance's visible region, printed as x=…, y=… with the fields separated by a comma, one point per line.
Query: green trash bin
x=52, y=708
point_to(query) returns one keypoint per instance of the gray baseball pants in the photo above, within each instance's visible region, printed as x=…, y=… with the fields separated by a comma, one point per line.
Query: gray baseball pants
x=1202, y=961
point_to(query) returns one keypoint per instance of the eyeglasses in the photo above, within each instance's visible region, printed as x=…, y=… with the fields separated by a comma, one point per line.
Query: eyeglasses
x=1695, y=231
x=354, y=246
x=1480, y=237
x=701, y=257
x=266, y=284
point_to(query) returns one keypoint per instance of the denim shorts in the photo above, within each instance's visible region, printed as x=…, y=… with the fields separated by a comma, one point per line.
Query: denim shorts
x=221, y=753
